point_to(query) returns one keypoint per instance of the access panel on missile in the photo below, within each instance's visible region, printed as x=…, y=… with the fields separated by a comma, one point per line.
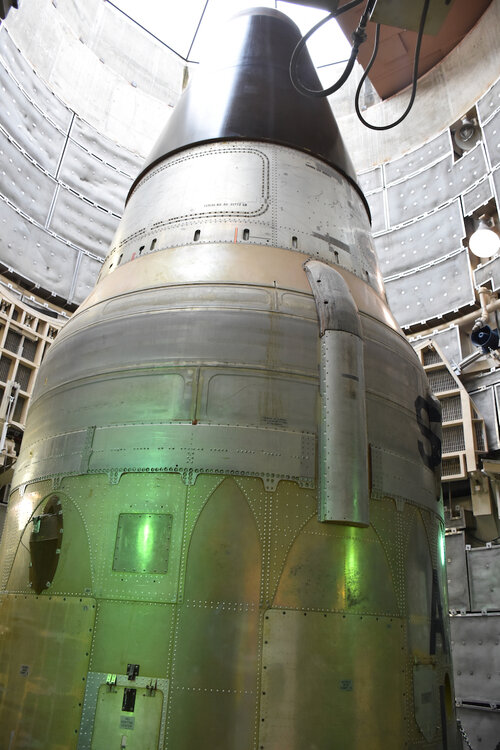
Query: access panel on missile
x=225, y=528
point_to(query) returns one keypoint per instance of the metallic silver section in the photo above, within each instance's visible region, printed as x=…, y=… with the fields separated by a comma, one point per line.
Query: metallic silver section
x=426, y=698
x=418, y=160
x=343, y=448
x=185, y=449
x=336, y=673
x=484, y=578
x=335, y=306
x=476, y=658
x=394, y=475
x=489, y=103
x=491, y=131
x=429, y=293
x=93, y=178
x=436, y=185
x=23, y=184
x=82, y=223
x=34, y=253
x=421, y=242
x=456, y=568
x=477, y=196
x=372, y=180
x=260, y=194
x=97, y=679
x=488, y=272
x=343, y=476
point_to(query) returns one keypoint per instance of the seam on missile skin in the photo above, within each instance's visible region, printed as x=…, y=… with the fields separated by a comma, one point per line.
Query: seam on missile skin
x=202, y=152
x=319, y=167
x=213, y=690
x=221, y=605
x=273, y=594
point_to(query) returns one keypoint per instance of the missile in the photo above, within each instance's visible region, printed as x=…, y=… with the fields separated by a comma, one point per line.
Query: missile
x=225, y=528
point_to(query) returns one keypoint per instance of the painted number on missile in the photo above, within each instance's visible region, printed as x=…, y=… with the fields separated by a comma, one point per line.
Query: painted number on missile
x=427, y=417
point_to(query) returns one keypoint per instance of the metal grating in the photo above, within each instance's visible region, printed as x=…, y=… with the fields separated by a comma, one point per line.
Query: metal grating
x=431, y=357
x=18, y=411
x=23, y=376
x=451, y=467
x=479, y=433
x=29, y=349
x=13, y=341
x=453, y=439
x=451, y=408
x=441, y=381
x=5, y=364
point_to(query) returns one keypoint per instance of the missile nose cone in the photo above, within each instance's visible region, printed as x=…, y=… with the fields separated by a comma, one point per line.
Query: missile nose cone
x=243, y=91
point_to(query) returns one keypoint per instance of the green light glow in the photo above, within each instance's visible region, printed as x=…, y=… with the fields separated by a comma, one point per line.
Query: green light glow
x=442, y=547
x=352, y=572
x=145, y=540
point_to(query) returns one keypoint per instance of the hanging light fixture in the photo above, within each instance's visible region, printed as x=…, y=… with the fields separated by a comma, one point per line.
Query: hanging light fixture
x=484, y=242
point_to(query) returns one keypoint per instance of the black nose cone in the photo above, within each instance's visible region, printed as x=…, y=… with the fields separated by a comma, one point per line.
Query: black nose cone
x=244, y=92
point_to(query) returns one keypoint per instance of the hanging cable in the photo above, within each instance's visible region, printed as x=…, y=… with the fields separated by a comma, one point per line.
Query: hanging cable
x=414, y=80
x=358, y=37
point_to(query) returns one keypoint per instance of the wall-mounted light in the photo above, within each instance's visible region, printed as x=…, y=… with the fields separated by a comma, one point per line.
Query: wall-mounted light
x=466, y=134
x=485, y=242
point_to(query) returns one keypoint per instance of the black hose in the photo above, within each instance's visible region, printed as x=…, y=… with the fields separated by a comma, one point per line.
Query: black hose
x=358, y=37
x=414, y=82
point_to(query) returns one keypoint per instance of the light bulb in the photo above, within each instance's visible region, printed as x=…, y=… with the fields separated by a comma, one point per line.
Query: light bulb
x=484, y=242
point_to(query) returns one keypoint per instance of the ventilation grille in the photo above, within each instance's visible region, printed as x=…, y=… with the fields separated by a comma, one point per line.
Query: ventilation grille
x=479, y=431
x=452, y=408
x=29, y=349
x=23, y=376
x=431, y=357
x=19, y=409
x=5, y=364
x=453, y=439
x=441, y=380
x=450, y=467
x=13, y=341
